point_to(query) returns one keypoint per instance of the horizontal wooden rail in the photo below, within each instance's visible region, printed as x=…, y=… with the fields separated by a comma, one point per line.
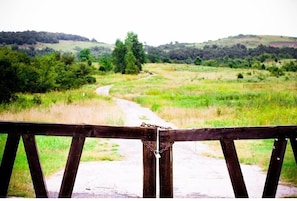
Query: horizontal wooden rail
x=234, y=133
x=79, y=130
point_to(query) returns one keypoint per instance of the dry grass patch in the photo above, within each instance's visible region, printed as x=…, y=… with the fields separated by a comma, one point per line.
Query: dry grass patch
x=93, y=111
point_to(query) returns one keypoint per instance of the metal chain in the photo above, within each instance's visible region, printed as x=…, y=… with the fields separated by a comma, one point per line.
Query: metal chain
x=143, y=124
x=147, y=145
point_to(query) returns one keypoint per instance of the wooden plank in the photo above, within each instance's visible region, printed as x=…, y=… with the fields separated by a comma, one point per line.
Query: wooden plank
x=166, y=171
x=71, y=167
x=97, y=131
x=12, y=143
x=149, y=169
x=236, y=133
x=293, y=141
x=234, y=169
x=275, y=166
x=35, y=166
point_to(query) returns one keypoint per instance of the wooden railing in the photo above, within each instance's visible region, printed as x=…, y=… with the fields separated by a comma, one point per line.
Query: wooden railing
x=151, y=138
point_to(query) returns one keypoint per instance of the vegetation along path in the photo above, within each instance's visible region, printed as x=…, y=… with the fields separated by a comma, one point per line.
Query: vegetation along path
x=194, y=174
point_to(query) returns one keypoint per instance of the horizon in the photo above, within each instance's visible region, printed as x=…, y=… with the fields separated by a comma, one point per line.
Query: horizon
x=90, y=39
x=155, y=22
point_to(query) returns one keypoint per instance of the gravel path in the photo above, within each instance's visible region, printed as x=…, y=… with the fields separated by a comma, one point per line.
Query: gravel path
x=194, y=175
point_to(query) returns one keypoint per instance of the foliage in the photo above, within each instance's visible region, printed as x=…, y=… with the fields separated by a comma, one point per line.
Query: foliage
x=130, y=60
x=105, y=64
x=235, y=56
x=204, y=97
x=85, y=56
x=118, y=55
x=291, y=66
x=32, y=37
x=126, y=55
x=20, y=73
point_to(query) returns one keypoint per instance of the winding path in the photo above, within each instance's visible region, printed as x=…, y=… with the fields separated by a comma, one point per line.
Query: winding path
x=195, y=176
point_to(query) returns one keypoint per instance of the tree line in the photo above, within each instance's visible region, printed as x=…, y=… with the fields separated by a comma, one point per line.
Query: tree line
x=188, y=53
x=39, y=74
x=32, y=37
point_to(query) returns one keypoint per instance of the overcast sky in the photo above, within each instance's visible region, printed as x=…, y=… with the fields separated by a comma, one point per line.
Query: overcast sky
x=154, y=21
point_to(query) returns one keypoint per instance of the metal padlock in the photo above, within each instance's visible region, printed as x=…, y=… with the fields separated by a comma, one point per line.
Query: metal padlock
x=157, y=154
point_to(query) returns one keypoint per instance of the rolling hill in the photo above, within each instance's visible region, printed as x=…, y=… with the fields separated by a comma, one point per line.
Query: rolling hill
x=252, y=41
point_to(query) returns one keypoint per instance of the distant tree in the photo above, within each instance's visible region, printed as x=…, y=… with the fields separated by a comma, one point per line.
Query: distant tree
x=136, y=48
x=105, y=64
x=291, y=66
x=47, y=74
x=8, y=77
x=198, y=61
x=123, y=52
x=131, y=67
x=85, y=56
x=118, y=56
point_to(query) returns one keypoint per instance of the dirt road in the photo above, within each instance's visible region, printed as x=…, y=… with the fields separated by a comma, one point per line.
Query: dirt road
x=194, y=175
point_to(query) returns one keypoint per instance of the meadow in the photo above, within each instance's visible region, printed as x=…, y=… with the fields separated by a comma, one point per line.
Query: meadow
x=188, y=96
x=195, y=96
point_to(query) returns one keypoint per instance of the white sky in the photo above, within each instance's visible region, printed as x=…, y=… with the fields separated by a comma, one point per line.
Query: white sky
x=154, y=21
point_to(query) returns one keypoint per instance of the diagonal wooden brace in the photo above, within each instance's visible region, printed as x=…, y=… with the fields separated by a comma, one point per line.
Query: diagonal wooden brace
x=275, y=166
x=234, y=169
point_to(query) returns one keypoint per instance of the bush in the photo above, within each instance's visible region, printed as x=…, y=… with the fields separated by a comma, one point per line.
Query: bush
x=292, y=66
x=37, y=100
x=275, y=71
x=90, y=80
x=239, y=76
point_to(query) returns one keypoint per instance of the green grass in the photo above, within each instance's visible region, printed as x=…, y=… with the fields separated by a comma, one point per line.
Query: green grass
x=59, y=107
x=248, y=41
x=194, y=96
x=73, y=46
x=186, y=95
x=53, y=152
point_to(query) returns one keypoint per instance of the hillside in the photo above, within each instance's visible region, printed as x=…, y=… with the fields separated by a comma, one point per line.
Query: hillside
x=252, y=41
x=75, y=46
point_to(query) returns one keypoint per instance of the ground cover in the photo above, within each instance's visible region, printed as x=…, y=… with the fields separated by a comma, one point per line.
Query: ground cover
x=196, y=96
x=75, y=106
x=185, y=95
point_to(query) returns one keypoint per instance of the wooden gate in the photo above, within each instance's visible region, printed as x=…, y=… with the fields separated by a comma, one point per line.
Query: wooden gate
x=156, y=142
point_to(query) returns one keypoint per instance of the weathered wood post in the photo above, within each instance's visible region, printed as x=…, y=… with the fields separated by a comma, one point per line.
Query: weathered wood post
x=165, y=170
x=149, y=169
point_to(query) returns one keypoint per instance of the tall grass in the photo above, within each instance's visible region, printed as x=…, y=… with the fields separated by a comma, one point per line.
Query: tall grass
x=196, y=96
x=75, y=106
x=186, y=95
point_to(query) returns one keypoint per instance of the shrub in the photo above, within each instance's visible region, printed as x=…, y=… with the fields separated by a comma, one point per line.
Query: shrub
x=239, y=76
x=275, y=71
x=37, y=100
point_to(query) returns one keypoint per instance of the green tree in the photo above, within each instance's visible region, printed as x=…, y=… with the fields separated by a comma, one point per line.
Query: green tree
x=46, y=66
x=198, y=61
x=85, y=56
x=10, y=62
x=118, y=56
x=105, y=64
x=130, y=60
x=136, y=48
x=121, y=57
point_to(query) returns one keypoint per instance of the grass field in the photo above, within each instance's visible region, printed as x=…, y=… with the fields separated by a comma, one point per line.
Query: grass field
x=196, y=97
x=72, y=46
x=250, y=41
x=186, y=95
x=76, y=106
